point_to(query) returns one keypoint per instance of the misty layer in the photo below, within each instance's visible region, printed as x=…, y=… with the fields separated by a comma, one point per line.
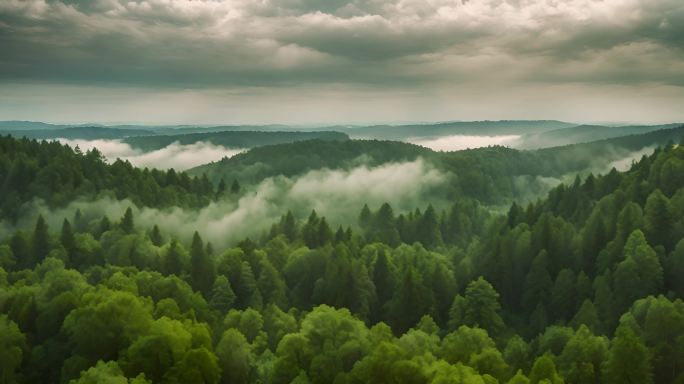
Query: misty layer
x=175, y=155
x=334, y=193
x=460, y=142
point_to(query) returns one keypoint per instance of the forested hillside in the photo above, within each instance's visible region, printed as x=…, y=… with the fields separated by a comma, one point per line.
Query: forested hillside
x=582, y=286
x=493, y=175
x=230, y=139
x=586, y=133
x=57, y=174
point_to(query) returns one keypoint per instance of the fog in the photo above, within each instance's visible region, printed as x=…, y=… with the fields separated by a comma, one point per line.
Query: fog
x=626, y=162
x=337, y=194
x=461, y=142
x=175, y=155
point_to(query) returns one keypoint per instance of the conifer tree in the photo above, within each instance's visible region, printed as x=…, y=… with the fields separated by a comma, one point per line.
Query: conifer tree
x=41, y=241
x=222, y=295
x=202, y=268
x=155, y=236
x=628, y=359
x=127, y=223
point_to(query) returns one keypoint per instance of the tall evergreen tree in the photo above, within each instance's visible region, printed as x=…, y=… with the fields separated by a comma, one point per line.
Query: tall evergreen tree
x=290, y=226
x=40, y=241
x=202, y=268
x=221, y=189
x=155, y=236
x=235, y=187
x=659, y=220
x=628, y=359
x=67, y=237
x=127, y=224
x=481, y=307
x=222, y=295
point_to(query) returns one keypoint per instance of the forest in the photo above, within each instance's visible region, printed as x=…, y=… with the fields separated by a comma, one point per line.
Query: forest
x=582, y=284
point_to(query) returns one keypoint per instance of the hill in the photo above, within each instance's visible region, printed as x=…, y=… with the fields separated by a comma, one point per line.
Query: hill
x=585, y=133
x=299, y=157
x=83, y=133
x=492, y=174
x=489, y=128
x=230, y=139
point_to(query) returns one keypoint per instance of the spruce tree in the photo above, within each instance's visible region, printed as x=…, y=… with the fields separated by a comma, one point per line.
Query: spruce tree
x=40, y=242
x=202, y=268
x=235, y=187
x=127, y=225
x=222, y=295
x=629, y=361
x=155, y=236
x=67, y=237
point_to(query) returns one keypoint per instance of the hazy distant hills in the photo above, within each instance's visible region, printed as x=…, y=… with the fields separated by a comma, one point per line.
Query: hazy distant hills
x=531, y=134
x=230, y=139
x=585, y=133
x=480, y=128
x=297, y=158
x=83, y=133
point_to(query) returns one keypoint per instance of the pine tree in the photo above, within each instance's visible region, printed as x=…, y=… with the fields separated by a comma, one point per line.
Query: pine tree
x=384, y=283
x=310, y=233
x=41, y=241
x=537, y=285
x=67, y=237
x=222, y=295
x=155, y=236
x=221, y=189
x=235, y=187
x=410, y=301
x=628, y=359
x=325, y=234
x=271, y=286
x=246, y=288
x=659, y=220
x=290, y=227
x=340, y=236
x=21, y=250
x=428, y=229
x=544, y=371
x=365, y=217
x=127, y=224
x=481, y=306
x=104, y=226
x=172, y=263
x=202, y=268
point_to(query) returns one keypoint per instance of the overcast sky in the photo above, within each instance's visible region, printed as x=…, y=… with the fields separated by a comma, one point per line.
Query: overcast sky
x=338, y=61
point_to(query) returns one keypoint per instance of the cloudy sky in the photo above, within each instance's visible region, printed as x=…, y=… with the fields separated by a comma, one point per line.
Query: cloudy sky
x=340, y=61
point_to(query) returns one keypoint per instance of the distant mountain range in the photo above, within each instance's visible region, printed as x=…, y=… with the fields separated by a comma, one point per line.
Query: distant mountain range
x=532, y=134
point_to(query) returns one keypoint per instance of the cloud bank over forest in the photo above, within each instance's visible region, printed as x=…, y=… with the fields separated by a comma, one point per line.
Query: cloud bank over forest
x=209, y=60
x=338, y=194
x=177, y=156
x=460, y=142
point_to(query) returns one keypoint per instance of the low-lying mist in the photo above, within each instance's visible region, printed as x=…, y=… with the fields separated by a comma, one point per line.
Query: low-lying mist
x=175, y=155
x=337, y=194
x=625, y=163
x=461, y=142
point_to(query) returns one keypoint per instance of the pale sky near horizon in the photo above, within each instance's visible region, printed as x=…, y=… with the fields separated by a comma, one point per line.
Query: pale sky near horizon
x=341, y=61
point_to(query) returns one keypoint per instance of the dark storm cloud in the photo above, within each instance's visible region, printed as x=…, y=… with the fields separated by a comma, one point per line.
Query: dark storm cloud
x=191, y=43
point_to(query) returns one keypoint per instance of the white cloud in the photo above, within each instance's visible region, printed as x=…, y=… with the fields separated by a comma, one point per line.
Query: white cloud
x=460, y=142
x=176, y=156
x=300, y=46
x=337, y=194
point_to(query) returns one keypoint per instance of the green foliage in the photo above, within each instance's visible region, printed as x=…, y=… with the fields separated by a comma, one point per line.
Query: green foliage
x=458, y=294
x=12, y=346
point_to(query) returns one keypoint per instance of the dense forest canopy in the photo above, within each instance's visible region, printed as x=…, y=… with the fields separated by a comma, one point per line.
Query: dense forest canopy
x=583, y=285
